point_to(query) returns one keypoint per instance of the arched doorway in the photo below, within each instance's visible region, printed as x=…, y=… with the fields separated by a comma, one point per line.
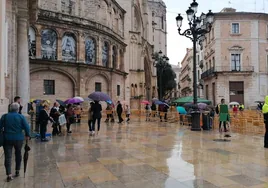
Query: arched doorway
x=148, y=79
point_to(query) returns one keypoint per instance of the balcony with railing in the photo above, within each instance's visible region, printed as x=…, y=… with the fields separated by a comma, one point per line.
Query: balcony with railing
x=228, y=69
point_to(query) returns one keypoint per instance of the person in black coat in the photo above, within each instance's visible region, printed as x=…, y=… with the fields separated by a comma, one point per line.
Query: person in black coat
x=119, y=111
x=96, y=109
x=55, y=114
x=43, y=120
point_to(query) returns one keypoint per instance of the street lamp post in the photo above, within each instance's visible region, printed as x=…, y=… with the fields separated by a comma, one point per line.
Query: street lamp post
x=160, y=63
x=199, y=27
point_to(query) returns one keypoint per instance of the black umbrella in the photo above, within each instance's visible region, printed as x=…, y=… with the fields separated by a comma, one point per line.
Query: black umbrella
x=60, y=102
x=25, y=156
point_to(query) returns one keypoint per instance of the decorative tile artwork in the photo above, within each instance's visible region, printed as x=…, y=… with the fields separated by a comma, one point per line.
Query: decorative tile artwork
x=90, y=51
x=68, y=48
x=49, y=44
x=105, y=54
x=32, y=43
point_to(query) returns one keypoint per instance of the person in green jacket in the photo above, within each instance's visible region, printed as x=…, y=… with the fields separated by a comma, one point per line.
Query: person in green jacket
x=265, y=116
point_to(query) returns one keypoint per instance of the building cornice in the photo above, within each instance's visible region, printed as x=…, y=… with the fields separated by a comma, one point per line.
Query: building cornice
x=48, y=17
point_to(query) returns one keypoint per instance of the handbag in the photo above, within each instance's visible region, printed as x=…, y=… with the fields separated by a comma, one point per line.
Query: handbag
x=2, y=131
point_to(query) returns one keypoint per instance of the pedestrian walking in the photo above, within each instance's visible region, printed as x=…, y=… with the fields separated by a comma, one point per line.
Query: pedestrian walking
x=69, y=118
x=44, y=117
x=127, y=111
x=90, y=118
x=97, y=109
x=55, y=114
x=17, y=99
x=13, y=124
x=109, y=111
x=265, y=116
x=222, y=110
x=119, y=111
x=148, y=112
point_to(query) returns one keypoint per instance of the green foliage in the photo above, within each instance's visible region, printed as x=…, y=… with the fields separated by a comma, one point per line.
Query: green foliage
x=167, y=74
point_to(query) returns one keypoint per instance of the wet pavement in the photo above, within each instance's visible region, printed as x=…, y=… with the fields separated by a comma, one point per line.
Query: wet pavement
x=144, y=155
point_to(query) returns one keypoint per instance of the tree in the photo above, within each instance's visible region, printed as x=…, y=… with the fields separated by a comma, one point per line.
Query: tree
x=168, y=80
x=165, y=76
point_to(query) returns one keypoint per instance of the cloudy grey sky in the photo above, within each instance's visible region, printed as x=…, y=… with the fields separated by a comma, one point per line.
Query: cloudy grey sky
x=177, y=44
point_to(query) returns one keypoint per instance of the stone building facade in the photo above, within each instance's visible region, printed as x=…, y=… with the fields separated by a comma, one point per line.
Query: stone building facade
x=186, y=75
x=64, y=48
x=236, y=58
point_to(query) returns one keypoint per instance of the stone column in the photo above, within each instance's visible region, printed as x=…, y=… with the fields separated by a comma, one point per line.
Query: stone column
x=118, y=59
x=81, y=48
x=99, y=52
x=23, y=77
x=59, y=51
x=110, y=56
x=38, y=46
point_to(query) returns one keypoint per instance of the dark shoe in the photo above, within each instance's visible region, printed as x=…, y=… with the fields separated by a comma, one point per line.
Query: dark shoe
x=9, y=178
x=44, y=140
x=265, y=146
x=17, y=174
x=69, y=132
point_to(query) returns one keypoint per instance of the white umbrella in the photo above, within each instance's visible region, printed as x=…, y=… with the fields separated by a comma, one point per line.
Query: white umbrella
x=233, y=103
x=80, y=98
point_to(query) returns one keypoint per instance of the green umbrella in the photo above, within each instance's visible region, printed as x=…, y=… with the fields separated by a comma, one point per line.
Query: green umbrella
x=189, y=99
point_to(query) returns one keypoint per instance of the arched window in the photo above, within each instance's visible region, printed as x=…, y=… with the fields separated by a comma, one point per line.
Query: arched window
x=105, y=54
x=68, y=46
x=32, y=43
x=114, y=60
x=90, y=46
x=49, y=44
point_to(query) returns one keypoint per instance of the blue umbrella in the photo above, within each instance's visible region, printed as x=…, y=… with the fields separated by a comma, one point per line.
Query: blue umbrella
x=109, y=102
x=158, y=102
x=181, y=110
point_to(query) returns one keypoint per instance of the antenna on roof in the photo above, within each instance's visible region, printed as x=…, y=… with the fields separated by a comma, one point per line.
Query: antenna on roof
x=255, y=5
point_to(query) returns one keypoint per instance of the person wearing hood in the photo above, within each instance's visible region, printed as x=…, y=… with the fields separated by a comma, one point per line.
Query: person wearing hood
x=265, y=116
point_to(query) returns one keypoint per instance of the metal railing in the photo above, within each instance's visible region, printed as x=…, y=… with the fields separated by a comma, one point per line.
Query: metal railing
x=216, y=69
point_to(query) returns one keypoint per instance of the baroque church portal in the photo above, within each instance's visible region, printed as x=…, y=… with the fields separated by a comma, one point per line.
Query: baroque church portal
x=64, y=48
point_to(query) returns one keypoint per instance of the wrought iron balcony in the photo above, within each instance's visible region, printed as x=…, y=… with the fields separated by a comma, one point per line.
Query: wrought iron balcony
x=231, y=69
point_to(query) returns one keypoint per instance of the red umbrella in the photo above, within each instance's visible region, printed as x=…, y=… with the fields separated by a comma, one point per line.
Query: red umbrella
x=145, y=102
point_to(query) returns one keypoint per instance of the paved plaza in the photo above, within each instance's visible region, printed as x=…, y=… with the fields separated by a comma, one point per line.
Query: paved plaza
x=144, y=155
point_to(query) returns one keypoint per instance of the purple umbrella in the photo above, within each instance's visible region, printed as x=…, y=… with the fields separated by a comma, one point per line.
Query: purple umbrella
x=99, y=96
x=202, y=106
x=73, y=101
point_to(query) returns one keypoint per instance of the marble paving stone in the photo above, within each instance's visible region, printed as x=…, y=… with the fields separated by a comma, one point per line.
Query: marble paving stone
x=102, y=176
x=245, y=180
x=110, y=184
x=143, y=155
x=199, y=183
x=143, y=169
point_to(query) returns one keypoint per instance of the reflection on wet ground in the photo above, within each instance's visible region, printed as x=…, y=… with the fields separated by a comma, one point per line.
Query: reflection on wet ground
x=144, y=155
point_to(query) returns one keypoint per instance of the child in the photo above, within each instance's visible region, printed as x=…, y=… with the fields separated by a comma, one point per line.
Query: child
x=127, y=110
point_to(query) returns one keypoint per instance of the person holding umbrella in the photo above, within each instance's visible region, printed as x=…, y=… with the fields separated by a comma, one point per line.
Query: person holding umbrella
x=119, y=110
x=96, y=108
x=55, y=114
x=14, y=124
x=69, y=117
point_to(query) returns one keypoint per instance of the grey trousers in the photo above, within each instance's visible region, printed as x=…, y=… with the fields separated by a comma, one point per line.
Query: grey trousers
x=8, y=146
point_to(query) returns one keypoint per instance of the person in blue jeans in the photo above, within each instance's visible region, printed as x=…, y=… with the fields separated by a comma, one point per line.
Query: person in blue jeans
x=13, y=124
